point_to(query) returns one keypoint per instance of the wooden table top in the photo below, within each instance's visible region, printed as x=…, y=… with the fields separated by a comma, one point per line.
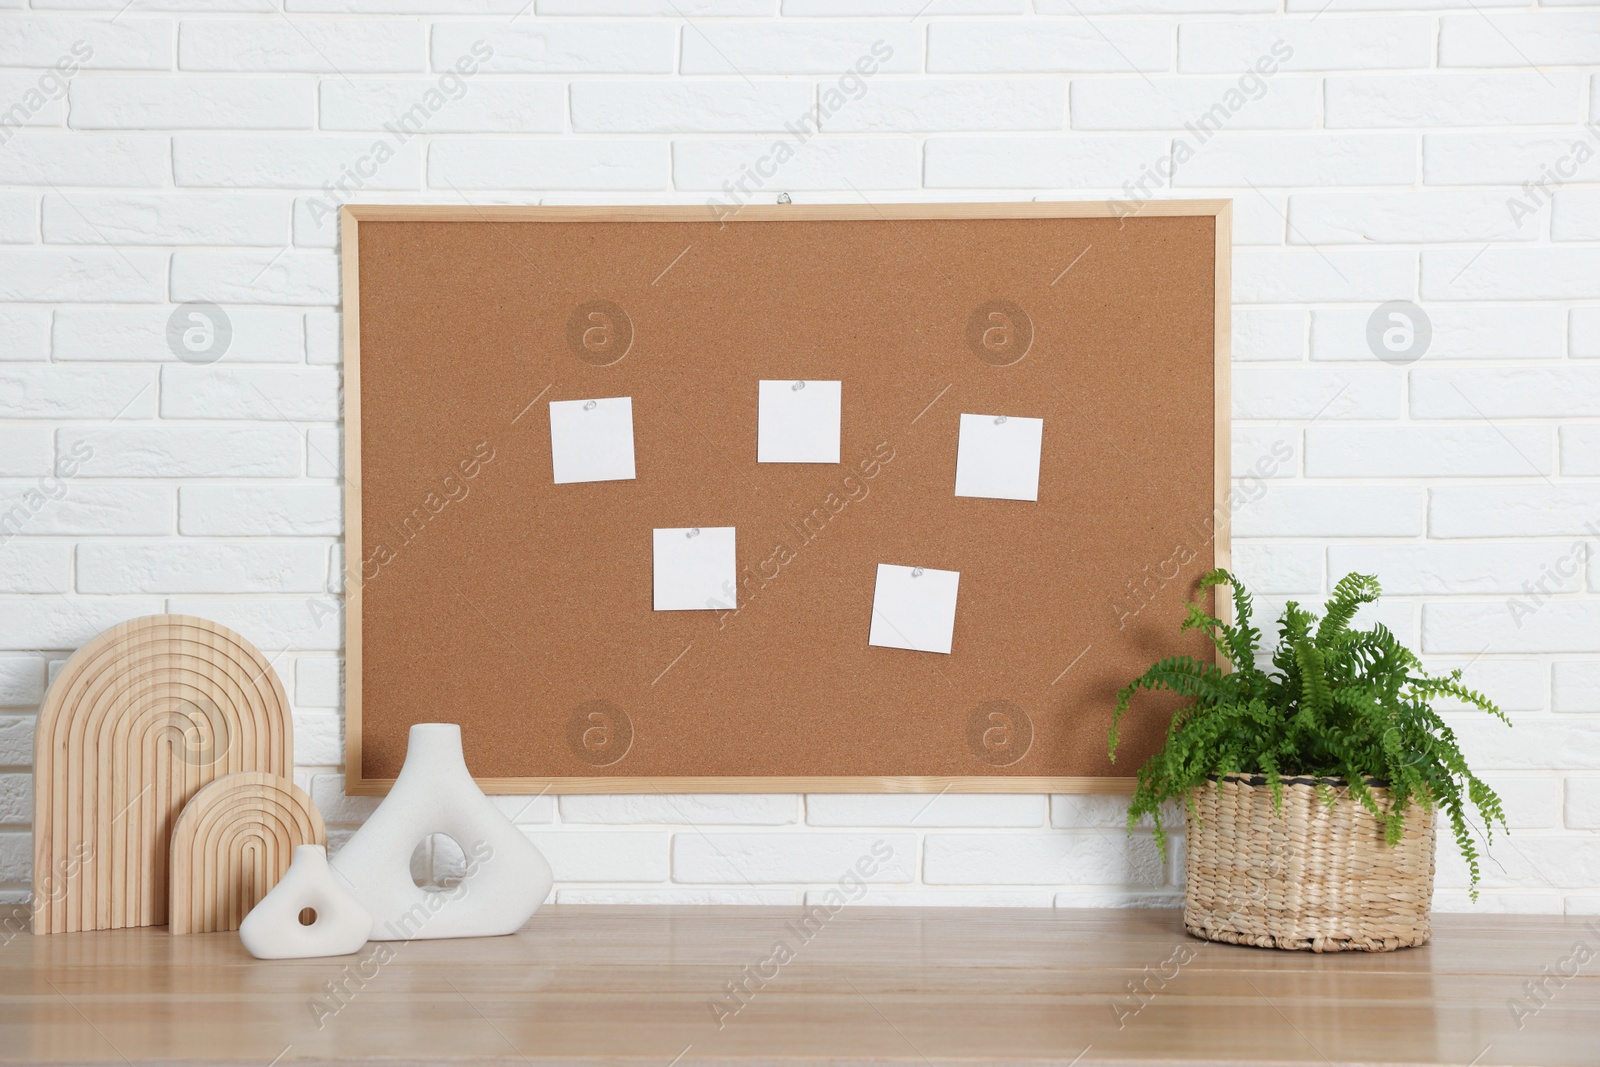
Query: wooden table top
x=651, y=985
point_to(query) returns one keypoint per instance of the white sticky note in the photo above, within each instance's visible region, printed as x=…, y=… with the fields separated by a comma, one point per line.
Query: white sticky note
x=998, y=456
x=915, y=608
x=592, y=440
x=798, y=422
x=695, y=569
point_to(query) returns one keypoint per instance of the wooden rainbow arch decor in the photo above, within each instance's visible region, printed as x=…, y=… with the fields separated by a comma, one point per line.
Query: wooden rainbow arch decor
x=233, y=842
x=138, y=721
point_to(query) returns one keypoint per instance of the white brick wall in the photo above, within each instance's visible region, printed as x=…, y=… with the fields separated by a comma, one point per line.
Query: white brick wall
x=1377, y=150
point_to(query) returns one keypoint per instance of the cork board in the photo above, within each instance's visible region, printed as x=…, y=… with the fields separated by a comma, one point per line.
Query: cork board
x=487, y=595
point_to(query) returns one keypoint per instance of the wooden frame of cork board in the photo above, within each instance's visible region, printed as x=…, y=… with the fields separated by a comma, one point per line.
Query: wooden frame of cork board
x=487, y=595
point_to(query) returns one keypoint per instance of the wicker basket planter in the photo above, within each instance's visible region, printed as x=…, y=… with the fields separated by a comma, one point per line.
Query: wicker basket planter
x=1309, y=876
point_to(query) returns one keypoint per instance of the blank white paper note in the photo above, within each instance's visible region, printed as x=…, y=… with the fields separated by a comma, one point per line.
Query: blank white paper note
x=998, y=457
x=798, y=422
x=695, y=569
x=915, y=608
x=592, y=440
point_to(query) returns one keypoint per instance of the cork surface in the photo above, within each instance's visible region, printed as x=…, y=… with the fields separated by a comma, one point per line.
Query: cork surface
x=521, y=609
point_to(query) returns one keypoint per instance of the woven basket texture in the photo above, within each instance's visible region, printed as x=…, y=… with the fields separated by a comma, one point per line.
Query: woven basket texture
x=1309, y=876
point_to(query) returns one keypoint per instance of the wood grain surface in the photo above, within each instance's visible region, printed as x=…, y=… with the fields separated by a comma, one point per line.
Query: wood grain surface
x=232, y=843
x=137, y=722
x=643, y=985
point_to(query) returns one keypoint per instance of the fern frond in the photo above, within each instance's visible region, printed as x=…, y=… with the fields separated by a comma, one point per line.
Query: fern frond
x=1353, y=591
x=1339, y=703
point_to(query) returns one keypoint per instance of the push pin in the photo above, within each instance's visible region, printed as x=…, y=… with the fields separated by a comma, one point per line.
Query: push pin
x=797, y=386
x=591, y=405
x=693, y=533
x=999, y=420
x=783, y=198
x=916, y=572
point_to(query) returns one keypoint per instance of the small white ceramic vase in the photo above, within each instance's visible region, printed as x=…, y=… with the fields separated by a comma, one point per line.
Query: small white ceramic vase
x=506, y=878
x=340, y=925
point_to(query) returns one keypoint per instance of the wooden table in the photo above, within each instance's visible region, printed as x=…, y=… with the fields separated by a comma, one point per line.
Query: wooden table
x=650, y=985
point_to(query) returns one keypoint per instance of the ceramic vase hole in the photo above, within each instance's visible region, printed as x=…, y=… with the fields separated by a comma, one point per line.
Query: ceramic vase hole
x=438, y=863
x=434, y=791
x=282, y=926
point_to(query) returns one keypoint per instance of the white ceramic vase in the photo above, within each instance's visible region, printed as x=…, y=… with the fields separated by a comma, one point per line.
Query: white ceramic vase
x=340, y=925
x=506, y=878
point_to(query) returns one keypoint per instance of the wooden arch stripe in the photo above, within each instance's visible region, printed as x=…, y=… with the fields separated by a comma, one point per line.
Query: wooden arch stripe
x=232, y=843
x=138, y=721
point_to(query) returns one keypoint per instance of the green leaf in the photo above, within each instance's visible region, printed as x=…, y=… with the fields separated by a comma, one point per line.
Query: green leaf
x=1338, y=703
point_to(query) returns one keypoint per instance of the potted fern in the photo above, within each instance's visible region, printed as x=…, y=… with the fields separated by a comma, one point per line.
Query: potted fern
x=1310, y=789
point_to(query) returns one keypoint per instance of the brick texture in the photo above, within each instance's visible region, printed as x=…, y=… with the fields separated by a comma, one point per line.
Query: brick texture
x=1375, y=150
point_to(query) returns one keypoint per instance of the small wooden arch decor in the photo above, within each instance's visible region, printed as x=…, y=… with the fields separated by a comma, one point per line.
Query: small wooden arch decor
x=138, y=721
x=233, y=842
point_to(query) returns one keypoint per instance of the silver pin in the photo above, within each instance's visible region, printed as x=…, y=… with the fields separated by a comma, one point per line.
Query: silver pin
x=591, y=405
x=797, y=386
x=999, y=420
x=693, y=533
x=916, y=572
